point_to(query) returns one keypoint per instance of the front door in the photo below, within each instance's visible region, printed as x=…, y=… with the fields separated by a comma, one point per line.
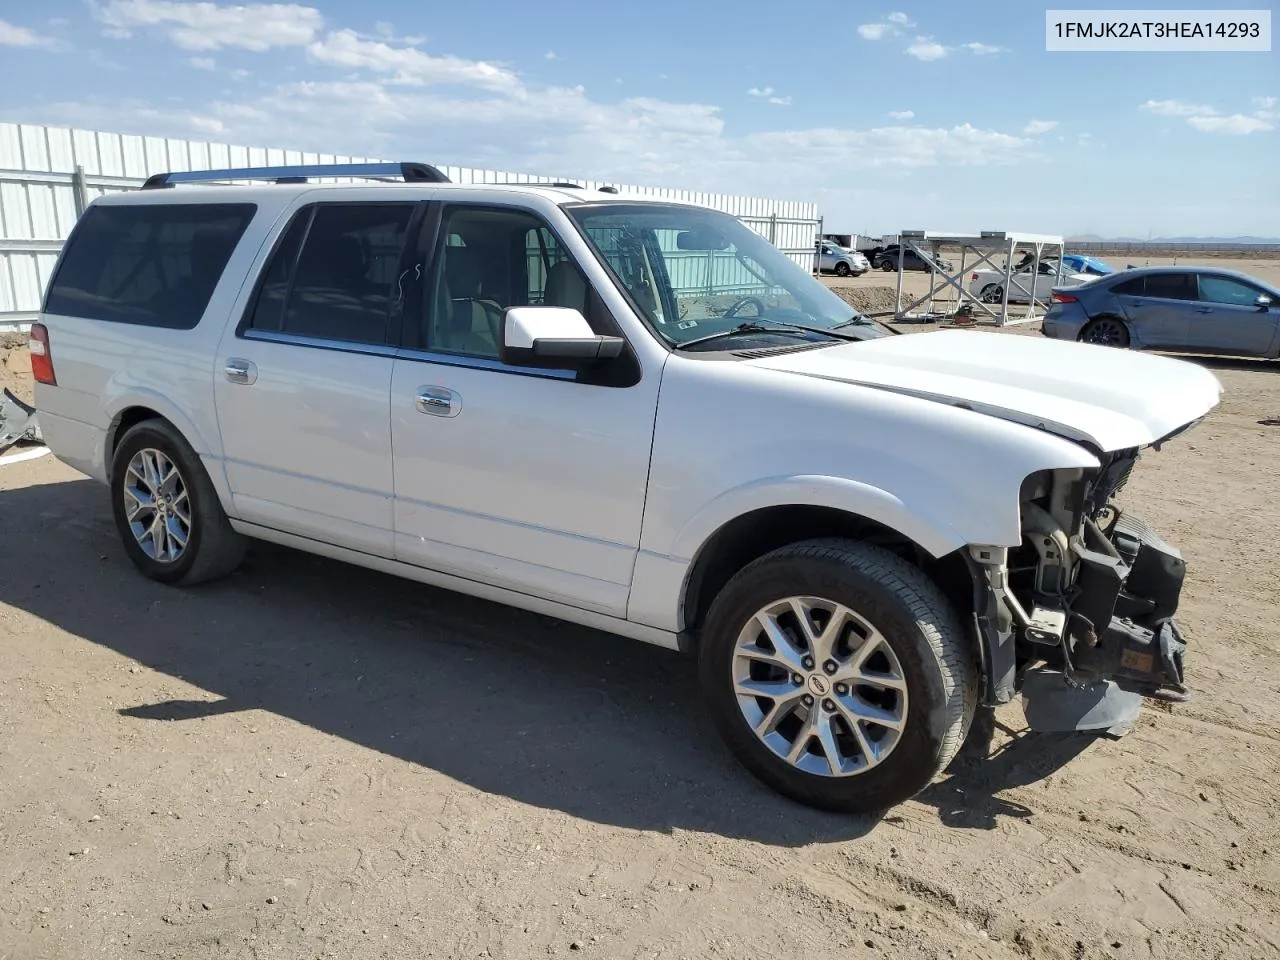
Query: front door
x=302, y=384
x=1228, y=320
x=531, y=480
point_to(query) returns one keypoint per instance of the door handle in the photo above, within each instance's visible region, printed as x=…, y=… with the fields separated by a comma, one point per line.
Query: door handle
x=240, y=371
x=438, y=401
x=1204, y=309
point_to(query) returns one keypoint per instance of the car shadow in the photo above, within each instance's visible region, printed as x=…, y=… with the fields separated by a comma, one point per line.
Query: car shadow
x=541, y=711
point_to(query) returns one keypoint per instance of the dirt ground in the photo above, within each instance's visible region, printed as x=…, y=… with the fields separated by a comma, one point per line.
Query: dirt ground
x=310, y=760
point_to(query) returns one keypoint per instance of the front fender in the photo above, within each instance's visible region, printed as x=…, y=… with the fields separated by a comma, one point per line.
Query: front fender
x=920, y=522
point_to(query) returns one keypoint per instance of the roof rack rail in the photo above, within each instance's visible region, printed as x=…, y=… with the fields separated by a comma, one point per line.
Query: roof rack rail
x=562, y=184
x=408, y=172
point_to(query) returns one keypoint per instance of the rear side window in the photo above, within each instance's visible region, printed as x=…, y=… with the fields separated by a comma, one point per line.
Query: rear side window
x=334, y=274
x=1134, y=287
x=1172, y=286
x=155, y=265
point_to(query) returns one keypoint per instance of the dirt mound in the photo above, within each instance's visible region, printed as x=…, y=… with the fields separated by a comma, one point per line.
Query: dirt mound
x=15, y=369
x=873, y=301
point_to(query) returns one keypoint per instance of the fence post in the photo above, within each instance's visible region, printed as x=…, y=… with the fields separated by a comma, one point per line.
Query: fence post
x=80, y=189
x=773, y=228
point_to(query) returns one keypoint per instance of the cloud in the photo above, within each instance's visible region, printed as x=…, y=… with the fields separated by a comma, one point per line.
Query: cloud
x=769, y=96
x=209, y=26
x=12, y=35
x=890, y=25
x=376, y=96
x=982, y=49
x=407, y=65
x=902, y=114
x=926, y=48
x=551, y=55
x=1236, y=124
x=1036, y=127
x=203, y=63
x=1176, y=108
x=1208, y=120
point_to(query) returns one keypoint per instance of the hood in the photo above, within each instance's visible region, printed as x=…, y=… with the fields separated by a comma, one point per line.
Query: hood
x=1110, y=398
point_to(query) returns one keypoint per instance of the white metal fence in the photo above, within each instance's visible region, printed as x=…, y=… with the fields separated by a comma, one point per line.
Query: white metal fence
x=48, y=175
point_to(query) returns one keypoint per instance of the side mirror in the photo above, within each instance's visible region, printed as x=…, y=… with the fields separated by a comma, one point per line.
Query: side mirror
x=553, y=337
x=1263, y=302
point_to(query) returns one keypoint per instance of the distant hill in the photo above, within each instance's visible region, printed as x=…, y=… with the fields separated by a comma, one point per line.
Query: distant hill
x=1094, y=238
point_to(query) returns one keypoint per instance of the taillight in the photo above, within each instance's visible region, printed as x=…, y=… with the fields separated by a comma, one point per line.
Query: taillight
x=973, y=277
x=41, y=358
x=1063, y=298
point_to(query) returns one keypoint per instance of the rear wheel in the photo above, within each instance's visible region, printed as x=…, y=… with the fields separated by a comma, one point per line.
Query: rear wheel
x=887, y=265
x=1105, y=332
x=838, y=674
x=167, y=513
x=992, y=293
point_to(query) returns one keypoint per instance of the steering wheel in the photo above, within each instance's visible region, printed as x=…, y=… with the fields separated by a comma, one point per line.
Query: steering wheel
x=733, y=310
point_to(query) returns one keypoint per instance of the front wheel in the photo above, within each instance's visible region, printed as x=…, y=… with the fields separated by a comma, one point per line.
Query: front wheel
x=842, y=270
x=838, y=674
x=166, y=510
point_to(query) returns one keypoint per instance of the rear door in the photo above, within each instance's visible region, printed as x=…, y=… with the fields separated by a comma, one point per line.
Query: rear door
x=302, y=384
x=1228, y=320
x=1159, y=308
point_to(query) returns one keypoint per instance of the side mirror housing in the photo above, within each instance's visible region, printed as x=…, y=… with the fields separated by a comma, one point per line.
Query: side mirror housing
x=554, y=338
x=1263, y=302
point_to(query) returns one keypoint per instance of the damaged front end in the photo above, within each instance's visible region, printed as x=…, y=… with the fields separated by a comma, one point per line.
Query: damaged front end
x=1081, y=614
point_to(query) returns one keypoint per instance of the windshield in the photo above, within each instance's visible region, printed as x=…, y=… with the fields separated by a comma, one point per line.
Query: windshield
x=694, y=272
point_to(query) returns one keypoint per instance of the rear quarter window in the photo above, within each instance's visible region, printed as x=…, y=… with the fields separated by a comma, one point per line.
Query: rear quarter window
x=153, y=265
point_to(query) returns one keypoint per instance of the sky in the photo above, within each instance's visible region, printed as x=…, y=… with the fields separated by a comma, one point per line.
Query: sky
x=939, y=116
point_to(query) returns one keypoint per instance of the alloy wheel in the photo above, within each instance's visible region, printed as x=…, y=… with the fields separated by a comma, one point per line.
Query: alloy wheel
x=1105, y=333
x=157, y=506
x=820, y=686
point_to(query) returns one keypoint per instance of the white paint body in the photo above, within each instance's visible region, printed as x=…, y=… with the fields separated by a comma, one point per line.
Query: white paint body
x=587, y=502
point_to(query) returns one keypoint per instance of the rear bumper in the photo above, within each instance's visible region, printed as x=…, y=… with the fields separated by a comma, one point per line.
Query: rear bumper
x=81, y=446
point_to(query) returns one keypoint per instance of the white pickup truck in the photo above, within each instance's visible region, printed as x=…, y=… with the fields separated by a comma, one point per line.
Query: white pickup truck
x=631, y=414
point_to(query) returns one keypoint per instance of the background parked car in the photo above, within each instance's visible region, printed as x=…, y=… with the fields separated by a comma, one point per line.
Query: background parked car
x=1195, y=309
x=988, y=285
x=1081, y=263
x=887, y=260
x=833, y=258
x=1075, y=262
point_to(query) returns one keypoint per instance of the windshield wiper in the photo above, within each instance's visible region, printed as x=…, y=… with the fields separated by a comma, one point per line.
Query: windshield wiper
x=858, y=320
x=763, y=325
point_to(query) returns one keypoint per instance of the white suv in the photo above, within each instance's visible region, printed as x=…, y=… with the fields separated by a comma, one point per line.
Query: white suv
x=635, y=415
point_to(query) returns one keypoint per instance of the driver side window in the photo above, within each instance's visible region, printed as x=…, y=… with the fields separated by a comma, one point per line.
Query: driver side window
x=488, y=259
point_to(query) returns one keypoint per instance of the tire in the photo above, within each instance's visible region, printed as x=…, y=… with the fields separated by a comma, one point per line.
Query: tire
x=842, y=269
x=992, y=293
x=887, y=265
x=1105, y=332
x=928, y=655
x=211, y=549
